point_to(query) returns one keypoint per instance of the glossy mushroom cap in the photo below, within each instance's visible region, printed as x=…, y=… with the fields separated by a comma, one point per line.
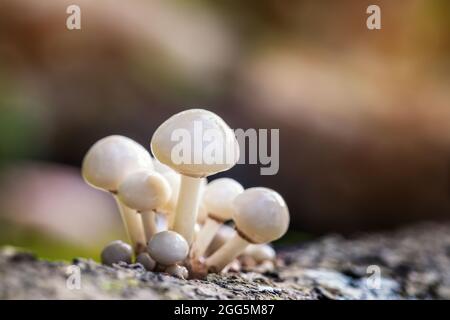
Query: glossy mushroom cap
x=147, y=262
x=204, y=132
x=261, y=215
x=218, y=198
x=116, y=252
x=144, y=190
x=174, y=180
x=260, y=252
x=111, y=159
x=168, y=247
x=177, y=271
x=161, y=167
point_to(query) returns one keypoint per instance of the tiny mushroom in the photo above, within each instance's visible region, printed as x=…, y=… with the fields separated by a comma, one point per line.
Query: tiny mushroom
x=116, y=252
x=147, y=262
x=168, y=248
x=105, y=166
x=260, y=216
x=260, y=252
x=174, y=180
x=145, y=191
x=177, y=271
x=218, y=201
x=207, y=146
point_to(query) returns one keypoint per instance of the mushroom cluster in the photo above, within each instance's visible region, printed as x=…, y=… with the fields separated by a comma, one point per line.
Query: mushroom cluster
x=176, y=221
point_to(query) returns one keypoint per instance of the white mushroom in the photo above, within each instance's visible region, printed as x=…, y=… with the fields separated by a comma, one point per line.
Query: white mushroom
x=218, y=201
x=106, y=165
x=168, y=248
x=196, y=143
x=177, y=271
x=147, y=262
x=260, y=252
x=260, y=216
x=115, y=252
x=174, y=180
x=145, y=191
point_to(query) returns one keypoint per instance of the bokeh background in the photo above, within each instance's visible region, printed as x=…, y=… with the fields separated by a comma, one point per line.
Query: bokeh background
x=364, y=116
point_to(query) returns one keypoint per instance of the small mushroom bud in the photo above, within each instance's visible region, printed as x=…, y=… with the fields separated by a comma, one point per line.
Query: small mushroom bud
x=260, y=216
x=145, y=191
x=260, y=252
x=116, y=252
x=111, y=159
x=106, y=165
x=147, y=262
x=203, y=157
x=177, y=271
x=174, y=180
x=218, y=201
x=168, y=248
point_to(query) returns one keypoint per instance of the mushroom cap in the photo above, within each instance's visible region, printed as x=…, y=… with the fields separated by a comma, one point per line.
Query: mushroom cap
x=116, y=252
x=186, y=128
x=161, y=167
x=260, y=252
x=260, y=215
x=177, y=271
x=144, y=190
x=168, y=247
x=219, y=195
x=111, y=159
x=174, y=180
x=147, y=262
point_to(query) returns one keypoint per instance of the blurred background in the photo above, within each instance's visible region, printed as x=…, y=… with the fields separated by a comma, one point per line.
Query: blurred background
x=364, y=116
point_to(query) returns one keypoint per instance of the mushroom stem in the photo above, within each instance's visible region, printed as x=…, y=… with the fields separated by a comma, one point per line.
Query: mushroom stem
x=204, y=238
x=148, y=220
x=187, y=207
x=133, y=226
x=170, y=220
x=227, y=253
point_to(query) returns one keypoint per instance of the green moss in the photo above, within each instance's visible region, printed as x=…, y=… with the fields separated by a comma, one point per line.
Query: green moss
x=44, y=246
